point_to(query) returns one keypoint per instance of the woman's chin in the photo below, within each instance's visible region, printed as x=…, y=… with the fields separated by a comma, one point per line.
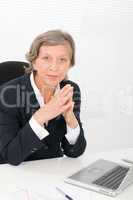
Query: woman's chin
x=52, y=83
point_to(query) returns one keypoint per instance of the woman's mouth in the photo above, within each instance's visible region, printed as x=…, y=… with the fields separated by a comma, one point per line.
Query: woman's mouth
x=52, y=76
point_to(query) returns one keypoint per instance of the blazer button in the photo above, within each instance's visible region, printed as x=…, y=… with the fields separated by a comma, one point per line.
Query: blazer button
x=72, y=150
x=45, y=147
x=33, y=150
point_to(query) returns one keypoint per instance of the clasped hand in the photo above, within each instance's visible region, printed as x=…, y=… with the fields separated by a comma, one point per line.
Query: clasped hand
x=60, y=103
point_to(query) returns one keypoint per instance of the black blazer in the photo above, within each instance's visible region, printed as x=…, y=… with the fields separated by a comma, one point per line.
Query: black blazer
x=18, y=142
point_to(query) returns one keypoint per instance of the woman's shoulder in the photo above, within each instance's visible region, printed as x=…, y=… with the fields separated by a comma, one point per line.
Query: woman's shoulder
x=19, y=80
x=10, y=93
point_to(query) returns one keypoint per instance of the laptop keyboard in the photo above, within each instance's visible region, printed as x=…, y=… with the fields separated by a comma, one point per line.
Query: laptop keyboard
x=113, y=178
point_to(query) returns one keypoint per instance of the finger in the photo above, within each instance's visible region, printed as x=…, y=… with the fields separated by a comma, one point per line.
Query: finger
x=64, y=100
x=72, y=105
x=66, y=91
x=60, y=91
x=66, y=106
x=71, y=98
x=67, y=86
x=63, y=91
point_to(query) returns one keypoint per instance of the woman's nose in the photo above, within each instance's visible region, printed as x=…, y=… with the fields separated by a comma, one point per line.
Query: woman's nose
x=54, y=66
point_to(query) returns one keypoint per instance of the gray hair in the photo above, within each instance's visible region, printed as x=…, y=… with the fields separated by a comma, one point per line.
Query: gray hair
x=49, y=38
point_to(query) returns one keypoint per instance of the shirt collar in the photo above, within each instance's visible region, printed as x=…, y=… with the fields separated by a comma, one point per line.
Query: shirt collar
x=38, y=95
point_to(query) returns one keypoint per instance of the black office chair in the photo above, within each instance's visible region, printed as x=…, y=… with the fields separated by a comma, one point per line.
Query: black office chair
x=11, y=69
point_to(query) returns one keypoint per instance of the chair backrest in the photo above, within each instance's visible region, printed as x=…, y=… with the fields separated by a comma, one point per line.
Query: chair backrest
x=11, y=69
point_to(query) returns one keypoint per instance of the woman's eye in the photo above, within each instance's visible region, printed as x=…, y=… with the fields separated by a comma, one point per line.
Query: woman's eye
x=46, y=58
x=63, y=59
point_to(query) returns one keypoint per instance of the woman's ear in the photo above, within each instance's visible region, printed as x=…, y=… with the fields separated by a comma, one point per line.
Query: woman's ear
x=34, y=65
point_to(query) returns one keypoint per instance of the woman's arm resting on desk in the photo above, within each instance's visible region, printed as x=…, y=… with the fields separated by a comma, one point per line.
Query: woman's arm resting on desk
x=16, y=143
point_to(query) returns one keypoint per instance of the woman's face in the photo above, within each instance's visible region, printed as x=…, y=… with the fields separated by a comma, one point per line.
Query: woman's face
x=52, y=64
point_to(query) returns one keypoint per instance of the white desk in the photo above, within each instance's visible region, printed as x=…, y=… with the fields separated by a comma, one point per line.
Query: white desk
x=38, y=174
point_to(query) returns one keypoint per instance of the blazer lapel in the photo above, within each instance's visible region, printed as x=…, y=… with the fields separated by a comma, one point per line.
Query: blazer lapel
x=53, y=123
x=30, y=102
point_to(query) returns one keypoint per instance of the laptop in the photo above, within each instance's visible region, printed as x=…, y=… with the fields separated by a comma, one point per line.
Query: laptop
x=103, y=176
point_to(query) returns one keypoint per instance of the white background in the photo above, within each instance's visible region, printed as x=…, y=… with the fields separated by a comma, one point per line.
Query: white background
x=103, y=32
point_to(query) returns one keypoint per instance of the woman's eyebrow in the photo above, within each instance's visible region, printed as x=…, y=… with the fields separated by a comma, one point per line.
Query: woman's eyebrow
x=63, y=55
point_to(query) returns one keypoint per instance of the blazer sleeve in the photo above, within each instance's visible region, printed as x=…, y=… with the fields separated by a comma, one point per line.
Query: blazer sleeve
x=17, y=142
x=79, y=147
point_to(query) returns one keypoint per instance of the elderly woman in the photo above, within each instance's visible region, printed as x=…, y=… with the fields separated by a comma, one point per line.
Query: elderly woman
x=40, y=111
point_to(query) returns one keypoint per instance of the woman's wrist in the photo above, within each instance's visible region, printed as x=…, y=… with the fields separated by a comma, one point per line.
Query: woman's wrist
x=39, y=117
x=71, y=120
